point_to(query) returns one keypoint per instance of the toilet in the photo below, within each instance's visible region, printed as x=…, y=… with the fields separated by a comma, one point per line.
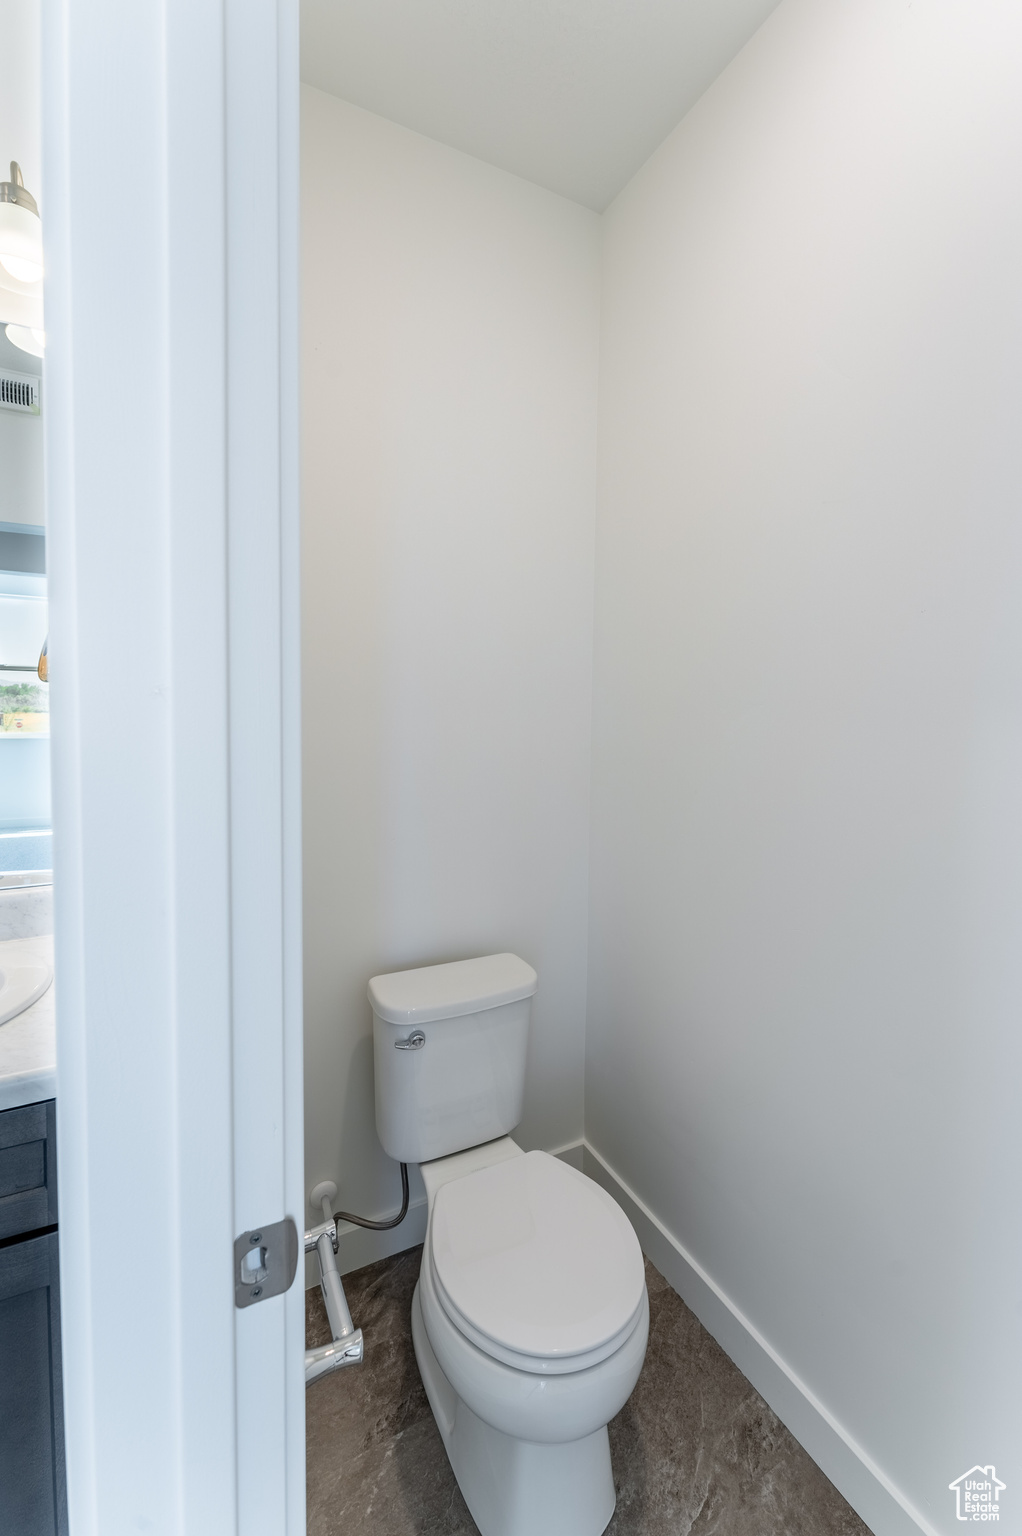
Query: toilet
x=530, y=1316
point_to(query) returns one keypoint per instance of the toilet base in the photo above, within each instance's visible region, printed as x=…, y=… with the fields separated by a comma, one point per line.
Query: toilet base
x=516, y=1487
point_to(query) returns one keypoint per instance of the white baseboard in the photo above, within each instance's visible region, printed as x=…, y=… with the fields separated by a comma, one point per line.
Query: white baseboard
x=358, y=1246
x=572, y=1152
x=868, y=1490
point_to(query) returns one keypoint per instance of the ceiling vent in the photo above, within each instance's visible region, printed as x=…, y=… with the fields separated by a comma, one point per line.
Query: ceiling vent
x=19, y=392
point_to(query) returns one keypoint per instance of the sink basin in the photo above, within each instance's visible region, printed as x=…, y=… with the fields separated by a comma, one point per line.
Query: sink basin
x=21, y=986
x=12, y=879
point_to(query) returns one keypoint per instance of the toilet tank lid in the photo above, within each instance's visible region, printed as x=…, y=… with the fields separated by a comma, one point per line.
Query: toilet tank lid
x=445, y=991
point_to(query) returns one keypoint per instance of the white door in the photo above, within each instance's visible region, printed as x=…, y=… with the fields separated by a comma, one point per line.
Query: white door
x=170, y=222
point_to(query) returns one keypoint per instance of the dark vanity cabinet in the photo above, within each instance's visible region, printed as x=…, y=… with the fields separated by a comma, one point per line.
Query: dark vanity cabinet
x=32, y=1489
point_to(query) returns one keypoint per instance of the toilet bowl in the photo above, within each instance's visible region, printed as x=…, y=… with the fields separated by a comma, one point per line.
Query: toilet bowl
x=530, y=1318
x=530, y=1322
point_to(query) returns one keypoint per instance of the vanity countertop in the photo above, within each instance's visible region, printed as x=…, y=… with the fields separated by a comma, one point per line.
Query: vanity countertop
x=28, y=1042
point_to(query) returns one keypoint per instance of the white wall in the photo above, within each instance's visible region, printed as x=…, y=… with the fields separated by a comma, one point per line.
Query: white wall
x=20, y=120
x=21, y=436
x=22, y=485
x=803, y=1042
x=450, y=340
x=22, y=499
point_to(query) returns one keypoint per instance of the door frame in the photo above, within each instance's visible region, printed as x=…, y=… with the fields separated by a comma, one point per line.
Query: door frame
x=170, y=212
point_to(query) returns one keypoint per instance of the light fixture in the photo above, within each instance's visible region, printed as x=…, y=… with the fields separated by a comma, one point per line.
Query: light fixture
x=21, y=233
x=28, y=337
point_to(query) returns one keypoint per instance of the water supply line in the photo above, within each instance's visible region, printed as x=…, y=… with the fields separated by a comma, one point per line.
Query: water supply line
x=346, y=1344
x=379, y=1226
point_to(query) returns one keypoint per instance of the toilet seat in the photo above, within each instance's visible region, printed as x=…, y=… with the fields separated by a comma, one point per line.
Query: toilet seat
x=536, y=1265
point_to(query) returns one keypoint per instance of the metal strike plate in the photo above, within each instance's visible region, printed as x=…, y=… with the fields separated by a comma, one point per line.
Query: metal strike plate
x=265, y=1262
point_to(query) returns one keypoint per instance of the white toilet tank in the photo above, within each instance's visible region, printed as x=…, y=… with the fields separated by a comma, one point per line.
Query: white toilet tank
x=449, y=1043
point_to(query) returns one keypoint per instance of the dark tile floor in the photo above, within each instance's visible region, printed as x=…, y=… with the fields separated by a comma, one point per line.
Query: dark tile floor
x=696, y=1450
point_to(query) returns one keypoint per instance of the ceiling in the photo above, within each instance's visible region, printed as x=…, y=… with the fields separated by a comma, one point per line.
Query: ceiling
x=572, y=94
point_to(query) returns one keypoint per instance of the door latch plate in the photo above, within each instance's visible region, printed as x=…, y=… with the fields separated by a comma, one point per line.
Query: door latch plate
x=265, y=1262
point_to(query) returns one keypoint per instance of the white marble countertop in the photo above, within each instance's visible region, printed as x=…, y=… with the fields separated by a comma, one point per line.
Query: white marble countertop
x=28, y=1042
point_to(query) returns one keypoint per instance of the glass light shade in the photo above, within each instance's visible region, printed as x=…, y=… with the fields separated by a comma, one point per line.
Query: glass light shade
x=21, y=243
x=10, y=284
x=20, y=306
x=21, y=270
x=28, y=338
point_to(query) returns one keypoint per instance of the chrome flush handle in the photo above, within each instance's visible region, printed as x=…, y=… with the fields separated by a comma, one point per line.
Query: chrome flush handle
x=416, y=1040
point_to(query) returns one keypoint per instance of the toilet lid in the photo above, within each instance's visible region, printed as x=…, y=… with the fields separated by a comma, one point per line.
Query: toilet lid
x=535, y=1263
